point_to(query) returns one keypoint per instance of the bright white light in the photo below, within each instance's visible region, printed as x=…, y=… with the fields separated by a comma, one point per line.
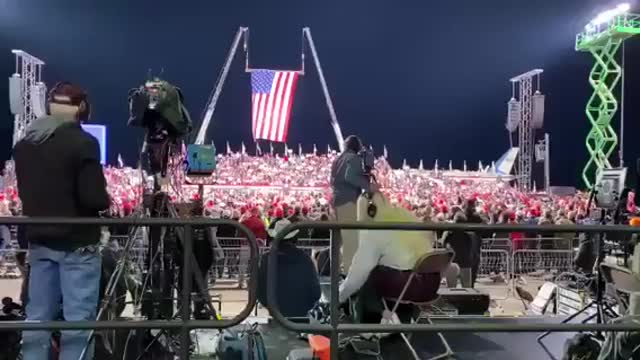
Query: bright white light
x=606, y=16
x=623, y=8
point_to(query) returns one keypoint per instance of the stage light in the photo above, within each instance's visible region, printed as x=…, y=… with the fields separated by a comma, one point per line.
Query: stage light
x=603, y=18
x=623, y=8
x=606, y=16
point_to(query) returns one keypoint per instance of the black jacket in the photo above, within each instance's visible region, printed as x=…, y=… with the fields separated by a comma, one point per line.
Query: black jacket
x=461, y=243
x=298, y=285
x=348, y=178
x=59, y=175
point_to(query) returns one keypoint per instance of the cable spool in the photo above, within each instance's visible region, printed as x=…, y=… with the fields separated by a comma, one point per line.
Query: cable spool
x=581, y=347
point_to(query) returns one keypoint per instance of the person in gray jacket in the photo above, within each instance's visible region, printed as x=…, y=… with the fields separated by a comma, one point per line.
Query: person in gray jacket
x=348, y=180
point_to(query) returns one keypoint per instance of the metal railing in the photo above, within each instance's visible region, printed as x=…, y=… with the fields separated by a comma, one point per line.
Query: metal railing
x=231, y=255
x=184, y=324
x=335, y=328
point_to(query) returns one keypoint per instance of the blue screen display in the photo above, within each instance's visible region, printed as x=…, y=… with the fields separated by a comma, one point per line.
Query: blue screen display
x=99, y=132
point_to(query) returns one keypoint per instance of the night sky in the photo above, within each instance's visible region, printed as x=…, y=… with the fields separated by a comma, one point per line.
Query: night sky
x=427, y=78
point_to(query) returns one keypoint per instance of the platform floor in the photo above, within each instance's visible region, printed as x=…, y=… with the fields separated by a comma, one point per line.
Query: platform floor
x=503, y=302
x=520, y=346
x=476, y=346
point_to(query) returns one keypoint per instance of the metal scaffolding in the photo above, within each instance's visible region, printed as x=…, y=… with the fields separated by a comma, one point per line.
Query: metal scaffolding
x=603, y=42
x=526, y=131
x=28, y=74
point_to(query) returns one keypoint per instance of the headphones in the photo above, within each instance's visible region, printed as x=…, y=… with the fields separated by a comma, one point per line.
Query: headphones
x=80, y=99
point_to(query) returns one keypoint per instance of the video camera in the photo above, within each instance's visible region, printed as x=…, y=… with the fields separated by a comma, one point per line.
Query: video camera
x=368, y=160
x=368, y=163
x=158, y=107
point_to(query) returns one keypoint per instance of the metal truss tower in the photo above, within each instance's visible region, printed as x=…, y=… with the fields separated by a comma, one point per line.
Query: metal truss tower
x=28, y=76
x=603, y=40
x=526, y=129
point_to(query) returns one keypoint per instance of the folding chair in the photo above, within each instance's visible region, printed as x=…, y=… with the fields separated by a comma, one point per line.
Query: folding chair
x=435, y=262
x=620, y=280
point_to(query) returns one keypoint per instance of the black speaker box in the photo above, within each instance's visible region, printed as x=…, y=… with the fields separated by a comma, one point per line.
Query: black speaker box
x=467, y=301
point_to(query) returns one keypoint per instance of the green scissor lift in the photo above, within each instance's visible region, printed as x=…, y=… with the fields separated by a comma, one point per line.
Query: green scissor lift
x=603, y=42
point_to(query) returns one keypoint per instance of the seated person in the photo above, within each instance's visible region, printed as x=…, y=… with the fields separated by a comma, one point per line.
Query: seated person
x=298, y=287
x=383, y=262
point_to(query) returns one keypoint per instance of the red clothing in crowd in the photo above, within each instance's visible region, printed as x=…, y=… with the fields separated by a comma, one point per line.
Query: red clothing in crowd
x=517, y=239
x=257, y=227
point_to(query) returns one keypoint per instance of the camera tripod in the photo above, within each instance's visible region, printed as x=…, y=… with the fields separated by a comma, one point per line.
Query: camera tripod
x=155, y=296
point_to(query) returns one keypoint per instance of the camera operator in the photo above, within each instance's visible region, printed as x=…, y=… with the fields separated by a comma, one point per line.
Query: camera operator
x=350, y=176
x=59, y=175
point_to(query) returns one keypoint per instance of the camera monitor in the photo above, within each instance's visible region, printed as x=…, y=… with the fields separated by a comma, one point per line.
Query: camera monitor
x=100, y=133
x=609, y=186
x=201, y=160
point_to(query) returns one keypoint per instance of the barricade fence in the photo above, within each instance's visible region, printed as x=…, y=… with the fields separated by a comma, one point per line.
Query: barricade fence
x=185, y=324
x=232, y=255
x=501, y=258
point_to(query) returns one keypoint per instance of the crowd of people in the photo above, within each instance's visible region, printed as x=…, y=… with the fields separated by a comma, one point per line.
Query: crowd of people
x=300, y=184
x=254, y=191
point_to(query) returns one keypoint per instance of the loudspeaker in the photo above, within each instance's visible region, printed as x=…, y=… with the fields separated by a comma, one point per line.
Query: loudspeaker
x=514, y=115
x=16, y=102
x=537, y=116
x=39, y=99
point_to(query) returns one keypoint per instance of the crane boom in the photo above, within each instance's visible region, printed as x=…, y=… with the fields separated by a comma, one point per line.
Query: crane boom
x=213, y=100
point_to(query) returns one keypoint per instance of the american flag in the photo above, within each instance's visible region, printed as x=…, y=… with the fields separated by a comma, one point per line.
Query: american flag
x=272, y=98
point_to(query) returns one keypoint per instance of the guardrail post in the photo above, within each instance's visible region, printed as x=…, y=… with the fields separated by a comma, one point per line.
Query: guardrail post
x=186, y=292
x=335, y=299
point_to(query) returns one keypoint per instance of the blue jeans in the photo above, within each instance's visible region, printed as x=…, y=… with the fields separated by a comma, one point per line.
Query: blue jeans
x=61, y=277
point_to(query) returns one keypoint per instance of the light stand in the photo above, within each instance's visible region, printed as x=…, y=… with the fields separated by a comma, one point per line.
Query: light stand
x=607, y=194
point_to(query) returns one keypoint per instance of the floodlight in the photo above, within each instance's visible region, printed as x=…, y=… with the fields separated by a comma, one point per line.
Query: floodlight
x=623, y=8
x=606, y=16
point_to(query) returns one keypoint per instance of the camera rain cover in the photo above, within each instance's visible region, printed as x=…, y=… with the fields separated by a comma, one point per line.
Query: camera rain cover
x=168, y=103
